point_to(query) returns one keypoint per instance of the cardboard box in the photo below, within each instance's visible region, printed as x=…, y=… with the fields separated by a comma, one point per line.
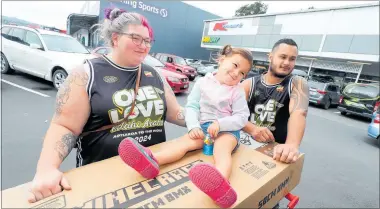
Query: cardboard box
x=259, y=181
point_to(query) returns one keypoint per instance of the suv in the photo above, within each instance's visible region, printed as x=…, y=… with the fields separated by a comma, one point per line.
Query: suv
x=360, y=99
x=45, y=54
x=177, y=64
x=323, y=91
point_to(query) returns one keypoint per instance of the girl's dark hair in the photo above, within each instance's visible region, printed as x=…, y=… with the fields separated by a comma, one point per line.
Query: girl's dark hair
x=227, y=51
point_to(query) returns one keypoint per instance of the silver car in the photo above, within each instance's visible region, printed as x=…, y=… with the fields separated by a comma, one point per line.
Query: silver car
x=203, y=70
x=324, y=94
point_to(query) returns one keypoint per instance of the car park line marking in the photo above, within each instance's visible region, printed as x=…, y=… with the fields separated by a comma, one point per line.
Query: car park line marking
x=24, y=88
x=336, y=112
x=337, y=121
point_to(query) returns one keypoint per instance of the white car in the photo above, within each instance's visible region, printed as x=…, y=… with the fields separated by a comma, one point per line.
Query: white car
x=45, y=54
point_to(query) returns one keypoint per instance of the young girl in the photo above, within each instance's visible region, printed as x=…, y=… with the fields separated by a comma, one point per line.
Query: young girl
x=215, y=106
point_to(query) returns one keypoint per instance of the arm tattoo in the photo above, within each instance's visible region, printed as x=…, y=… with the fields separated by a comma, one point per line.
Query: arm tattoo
x=65, y=145
x=75, y=78
x=181, y=114
x=300, y=95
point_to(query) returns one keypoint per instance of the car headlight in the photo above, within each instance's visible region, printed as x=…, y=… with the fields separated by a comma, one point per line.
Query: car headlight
x=173, y=79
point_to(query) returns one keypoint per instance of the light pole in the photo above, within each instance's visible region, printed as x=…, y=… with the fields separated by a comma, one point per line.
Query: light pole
x=311, y=63
x=361, y=64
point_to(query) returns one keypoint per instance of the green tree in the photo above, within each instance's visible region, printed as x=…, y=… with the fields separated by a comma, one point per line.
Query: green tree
x=252, y=9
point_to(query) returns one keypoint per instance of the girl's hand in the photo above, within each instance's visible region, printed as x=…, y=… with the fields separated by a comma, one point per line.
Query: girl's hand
x=213, y=129
x=196, y=133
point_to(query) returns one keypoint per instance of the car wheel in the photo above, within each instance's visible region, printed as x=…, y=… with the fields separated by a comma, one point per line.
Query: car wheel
x=59, y=78
x=327, y=104
x=343, y=113
x=191, y=78
x=5, y=68
x=378, y=141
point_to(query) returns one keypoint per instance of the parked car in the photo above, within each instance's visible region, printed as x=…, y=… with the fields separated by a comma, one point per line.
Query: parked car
x=177, y=64
x=255, y=70
x=359, y=99
x=203, y=70
x=300, y=73
x=177, y=81
x=42, y=53
x=323, y=93
x=201, y=63
x=373, y=128
x=102, y=50
x=190, y=61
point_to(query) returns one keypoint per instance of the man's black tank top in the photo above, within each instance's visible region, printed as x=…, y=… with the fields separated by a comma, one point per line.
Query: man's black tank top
x=111, y=90
x=269, y=106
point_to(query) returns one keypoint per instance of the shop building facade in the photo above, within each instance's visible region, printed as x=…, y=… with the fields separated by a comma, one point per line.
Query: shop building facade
x=343, y=42
x=177, y=26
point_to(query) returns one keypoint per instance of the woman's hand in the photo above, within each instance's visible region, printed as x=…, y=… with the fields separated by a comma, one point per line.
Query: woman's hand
x=47, y=182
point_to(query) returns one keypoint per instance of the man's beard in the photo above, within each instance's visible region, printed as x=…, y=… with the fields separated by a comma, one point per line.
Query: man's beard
x=275, y=74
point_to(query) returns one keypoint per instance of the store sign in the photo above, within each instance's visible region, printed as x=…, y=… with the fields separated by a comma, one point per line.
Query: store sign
x=241, y=26
x=147, y=8
x=224, y=26
x=211, y=40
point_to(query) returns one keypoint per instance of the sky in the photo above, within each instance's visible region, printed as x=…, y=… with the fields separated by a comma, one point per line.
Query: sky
x=55, y=13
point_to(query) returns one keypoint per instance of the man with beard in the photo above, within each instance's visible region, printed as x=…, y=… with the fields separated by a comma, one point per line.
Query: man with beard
x=278, y=104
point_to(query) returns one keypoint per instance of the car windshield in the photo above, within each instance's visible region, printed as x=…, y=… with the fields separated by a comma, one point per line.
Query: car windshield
x=361, y=91
x=153, y=62
x=322, y=78
x=63, y=44
x=180, y=61
x=190, y=61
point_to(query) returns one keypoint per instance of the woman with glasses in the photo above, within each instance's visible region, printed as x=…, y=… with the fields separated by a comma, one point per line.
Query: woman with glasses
x=96, y=98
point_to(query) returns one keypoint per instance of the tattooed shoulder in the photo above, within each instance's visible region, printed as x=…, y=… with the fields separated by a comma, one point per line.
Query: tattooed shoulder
x=65, y=145
x=79, y=78
x=299, y=96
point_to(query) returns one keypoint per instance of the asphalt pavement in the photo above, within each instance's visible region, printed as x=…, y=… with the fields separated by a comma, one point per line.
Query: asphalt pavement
x=341, y=167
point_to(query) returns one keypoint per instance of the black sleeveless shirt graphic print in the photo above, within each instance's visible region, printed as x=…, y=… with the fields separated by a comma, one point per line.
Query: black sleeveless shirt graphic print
x=111, y=91
x=269, y=106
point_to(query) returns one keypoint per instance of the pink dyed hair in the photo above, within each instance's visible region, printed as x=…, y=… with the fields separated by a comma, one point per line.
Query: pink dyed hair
x=144, y=21
x=146, y=24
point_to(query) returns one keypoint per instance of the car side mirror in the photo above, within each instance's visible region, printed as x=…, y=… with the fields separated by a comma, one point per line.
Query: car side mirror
x=36, y=46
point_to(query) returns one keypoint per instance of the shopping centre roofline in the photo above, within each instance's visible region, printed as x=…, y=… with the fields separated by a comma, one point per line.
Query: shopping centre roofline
x=299, y=11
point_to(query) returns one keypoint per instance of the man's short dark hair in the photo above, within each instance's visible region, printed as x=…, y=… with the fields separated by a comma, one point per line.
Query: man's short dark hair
x=287, y=41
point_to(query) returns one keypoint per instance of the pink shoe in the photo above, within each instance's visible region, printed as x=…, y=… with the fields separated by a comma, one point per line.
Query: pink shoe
x=139, y=158
x=208, y=179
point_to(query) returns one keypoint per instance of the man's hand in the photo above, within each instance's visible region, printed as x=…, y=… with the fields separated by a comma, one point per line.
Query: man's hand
x=286, y=153
x=213, y=129
x=262, y=134
x=196, y=133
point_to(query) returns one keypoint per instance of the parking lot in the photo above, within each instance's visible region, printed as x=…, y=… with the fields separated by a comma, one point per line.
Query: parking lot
x=341, y=163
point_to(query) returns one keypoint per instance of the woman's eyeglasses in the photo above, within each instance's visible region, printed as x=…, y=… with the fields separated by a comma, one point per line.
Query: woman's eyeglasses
x=137, y=39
